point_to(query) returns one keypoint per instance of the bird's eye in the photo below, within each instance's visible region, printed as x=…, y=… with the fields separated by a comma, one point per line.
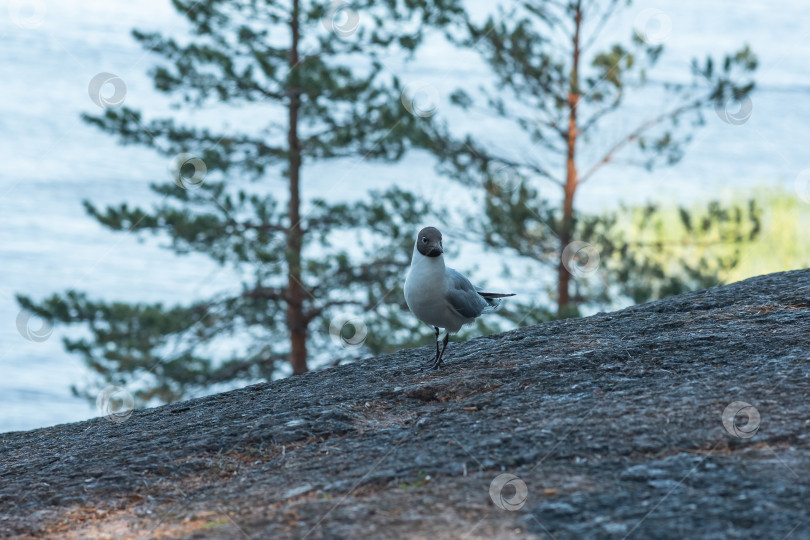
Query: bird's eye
x=424, y=239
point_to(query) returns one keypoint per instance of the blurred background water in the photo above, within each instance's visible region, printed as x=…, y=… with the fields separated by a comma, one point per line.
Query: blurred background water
x=51, y=160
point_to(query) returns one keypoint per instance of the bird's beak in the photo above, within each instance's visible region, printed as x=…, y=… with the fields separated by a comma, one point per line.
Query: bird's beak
x=435, y=251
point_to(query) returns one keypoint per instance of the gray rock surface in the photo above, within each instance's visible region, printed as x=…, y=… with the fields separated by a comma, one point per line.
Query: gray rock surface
x=612, y=423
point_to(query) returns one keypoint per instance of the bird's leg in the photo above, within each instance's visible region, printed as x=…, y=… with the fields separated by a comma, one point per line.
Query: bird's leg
x=430, y=363
x=444, y=346
x=438, y=361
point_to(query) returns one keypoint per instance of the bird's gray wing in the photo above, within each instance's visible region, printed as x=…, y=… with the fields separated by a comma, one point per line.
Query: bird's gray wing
x=462, y=296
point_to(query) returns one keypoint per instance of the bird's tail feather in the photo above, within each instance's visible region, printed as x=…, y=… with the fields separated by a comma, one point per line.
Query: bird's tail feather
x=495, y=294
x=493, y=299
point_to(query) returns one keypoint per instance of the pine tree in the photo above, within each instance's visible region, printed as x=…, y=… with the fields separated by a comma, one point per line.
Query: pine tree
x=312, y=71
x=551, y=86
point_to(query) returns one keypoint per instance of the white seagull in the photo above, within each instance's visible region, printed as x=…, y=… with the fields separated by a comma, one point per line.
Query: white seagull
x=442, y=297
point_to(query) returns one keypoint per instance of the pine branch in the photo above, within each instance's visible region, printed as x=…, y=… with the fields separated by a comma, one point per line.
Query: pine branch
x=636, y=133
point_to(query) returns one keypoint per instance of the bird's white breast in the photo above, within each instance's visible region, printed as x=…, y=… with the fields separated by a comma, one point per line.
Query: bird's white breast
x=425, y=293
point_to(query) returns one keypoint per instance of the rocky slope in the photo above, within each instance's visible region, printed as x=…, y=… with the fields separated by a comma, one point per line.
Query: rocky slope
x=611, y=426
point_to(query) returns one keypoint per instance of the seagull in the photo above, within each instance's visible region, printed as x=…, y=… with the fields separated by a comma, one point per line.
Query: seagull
x=442, y=297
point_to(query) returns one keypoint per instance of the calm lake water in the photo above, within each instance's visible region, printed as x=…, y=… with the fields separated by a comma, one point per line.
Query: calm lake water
x=51, y=160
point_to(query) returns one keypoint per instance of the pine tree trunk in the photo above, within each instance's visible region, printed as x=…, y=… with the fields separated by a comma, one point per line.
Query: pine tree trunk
x=571, y=179
x=296, y=322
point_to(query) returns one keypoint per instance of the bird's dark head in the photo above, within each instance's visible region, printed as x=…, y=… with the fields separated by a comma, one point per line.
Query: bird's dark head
x=429, y=242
